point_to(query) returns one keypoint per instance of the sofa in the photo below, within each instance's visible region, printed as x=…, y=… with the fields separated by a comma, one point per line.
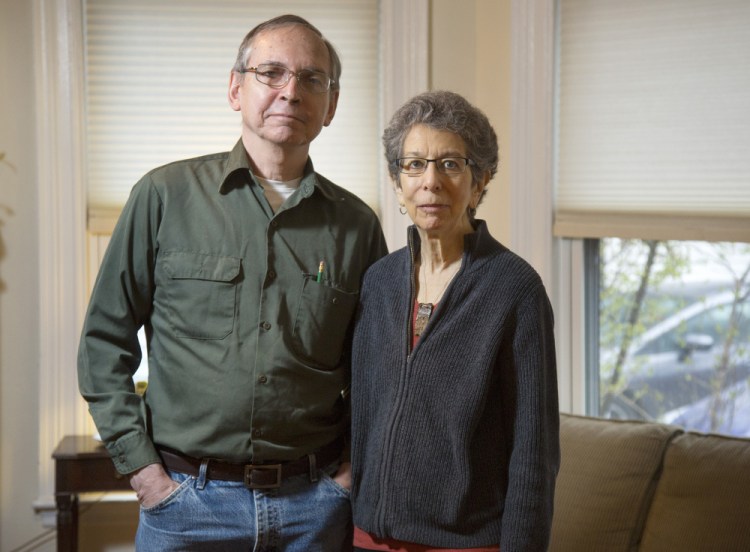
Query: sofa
x=647, y=487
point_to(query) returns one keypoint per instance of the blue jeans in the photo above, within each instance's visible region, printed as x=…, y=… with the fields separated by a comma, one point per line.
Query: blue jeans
x=225, y=516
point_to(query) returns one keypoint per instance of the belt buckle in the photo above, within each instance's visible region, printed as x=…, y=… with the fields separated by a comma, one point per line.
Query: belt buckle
x=249, y=468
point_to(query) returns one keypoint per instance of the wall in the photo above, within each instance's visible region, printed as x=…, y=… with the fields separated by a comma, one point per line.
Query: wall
x=470, y=54
x=19, y=320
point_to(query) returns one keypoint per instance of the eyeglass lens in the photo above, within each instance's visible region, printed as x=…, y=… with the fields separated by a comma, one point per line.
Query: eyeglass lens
x=415, y=166
x=277, y=76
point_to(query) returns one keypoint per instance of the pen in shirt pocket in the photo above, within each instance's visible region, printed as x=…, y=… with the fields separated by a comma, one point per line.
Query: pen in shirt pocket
x=321, y=268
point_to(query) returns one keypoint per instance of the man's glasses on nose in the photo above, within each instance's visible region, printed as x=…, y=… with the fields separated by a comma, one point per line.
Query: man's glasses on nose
x=414, y=166
x=277, y=76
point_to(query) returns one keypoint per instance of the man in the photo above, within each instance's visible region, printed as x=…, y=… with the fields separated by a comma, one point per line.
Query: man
x=244, y=268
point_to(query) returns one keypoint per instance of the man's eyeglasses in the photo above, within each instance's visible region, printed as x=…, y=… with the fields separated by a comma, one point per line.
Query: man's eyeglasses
x=414, y=166
x=277, y=76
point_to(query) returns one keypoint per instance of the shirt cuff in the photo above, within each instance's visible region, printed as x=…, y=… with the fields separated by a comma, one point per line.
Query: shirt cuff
x=132, y=452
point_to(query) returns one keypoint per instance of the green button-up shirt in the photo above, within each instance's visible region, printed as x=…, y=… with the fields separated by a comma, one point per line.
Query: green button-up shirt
x=247, y=350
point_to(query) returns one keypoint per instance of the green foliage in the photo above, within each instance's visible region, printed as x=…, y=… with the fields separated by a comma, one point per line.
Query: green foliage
x=625, y=272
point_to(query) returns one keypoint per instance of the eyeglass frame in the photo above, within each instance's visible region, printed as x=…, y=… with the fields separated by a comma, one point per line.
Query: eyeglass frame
x=469, y=163
x=296, y=74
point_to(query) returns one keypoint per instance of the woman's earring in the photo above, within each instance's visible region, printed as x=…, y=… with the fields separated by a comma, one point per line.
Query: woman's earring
x=402, y=210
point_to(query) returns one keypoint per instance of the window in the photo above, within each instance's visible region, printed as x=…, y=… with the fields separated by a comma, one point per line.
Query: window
x=673, y=332
x=652, y=177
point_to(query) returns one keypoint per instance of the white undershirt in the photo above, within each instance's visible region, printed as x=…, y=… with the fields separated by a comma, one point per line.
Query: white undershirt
x=277, y=191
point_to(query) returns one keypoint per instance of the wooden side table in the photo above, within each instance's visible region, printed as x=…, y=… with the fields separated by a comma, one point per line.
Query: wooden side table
x=82, y=465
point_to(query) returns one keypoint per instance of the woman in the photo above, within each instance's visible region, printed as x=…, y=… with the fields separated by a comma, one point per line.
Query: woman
x=454, y=393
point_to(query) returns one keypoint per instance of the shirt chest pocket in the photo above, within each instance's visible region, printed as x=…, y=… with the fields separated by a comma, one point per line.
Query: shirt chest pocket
x=321, y=322
x=201, y=292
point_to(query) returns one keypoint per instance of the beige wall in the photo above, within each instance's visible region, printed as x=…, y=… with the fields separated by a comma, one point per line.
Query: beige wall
x=470, y=54
x=19, y=336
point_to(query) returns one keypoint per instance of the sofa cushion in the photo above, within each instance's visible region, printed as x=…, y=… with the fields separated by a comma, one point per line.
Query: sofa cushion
x=608, y=473
x=702, y=501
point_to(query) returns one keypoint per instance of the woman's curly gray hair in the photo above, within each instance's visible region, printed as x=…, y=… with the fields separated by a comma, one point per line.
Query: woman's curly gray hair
x=444, y=110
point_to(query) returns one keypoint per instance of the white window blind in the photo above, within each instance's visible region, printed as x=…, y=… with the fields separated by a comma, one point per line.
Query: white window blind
x=157, y=73
x=654, y=119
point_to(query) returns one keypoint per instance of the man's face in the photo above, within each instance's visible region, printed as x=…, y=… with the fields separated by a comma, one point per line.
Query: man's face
x=288, y=117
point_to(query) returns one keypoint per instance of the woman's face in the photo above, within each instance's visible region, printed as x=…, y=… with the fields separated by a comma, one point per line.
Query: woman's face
x=437, y=203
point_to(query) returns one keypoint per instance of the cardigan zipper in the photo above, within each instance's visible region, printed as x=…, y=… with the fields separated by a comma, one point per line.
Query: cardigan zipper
x=395, y=415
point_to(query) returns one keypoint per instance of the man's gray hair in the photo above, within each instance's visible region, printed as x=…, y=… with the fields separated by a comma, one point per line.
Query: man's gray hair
x=288, y=20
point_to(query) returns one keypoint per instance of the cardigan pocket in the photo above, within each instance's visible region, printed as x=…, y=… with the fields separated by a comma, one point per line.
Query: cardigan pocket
x=321, y=322
x=201, y=291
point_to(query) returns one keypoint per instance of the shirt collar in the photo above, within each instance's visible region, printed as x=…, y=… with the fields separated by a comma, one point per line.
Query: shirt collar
x=238, y=171
x=237, y=167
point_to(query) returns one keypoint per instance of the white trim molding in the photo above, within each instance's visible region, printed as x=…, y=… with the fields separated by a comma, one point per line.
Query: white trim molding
x=404, y=62
x=62, y=227
x=533, y=189
x=532, y=148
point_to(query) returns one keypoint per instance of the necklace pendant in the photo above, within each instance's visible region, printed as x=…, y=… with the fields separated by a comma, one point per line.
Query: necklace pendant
x=424, y=311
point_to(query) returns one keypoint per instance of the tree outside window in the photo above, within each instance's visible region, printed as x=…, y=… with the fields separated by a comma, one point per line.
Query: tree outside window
x=674, y=332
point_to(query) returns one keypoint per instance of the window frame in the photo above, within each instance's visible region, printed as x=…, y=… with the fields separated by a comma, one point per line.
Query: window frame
x=575, y=246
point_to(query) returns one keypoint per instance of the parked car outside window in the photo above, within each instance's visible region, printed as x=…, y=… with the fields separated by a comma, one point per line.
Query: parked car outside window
x=680, y=351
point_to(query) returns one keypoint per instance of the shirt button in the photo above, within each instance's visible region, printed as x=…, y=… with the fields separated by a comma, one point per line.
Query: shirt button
x=262, y=379
x=257, y=433
x=274, y=224
x=271, y=275
x=265, y=325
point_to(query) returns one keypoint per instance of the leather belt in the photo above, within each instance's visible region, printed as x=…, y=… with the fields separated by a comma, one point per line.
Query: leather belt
x=265, y=475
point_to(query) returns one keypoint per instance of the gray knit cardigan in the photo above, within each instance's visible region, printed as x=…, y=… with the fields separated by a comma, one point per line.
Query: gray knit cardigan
x=456, y=442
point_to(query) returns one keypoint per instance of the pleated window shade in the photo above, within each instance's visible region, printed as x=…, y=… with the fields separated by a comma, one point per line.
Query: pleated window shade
x=654, y=119
x=157, y=73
